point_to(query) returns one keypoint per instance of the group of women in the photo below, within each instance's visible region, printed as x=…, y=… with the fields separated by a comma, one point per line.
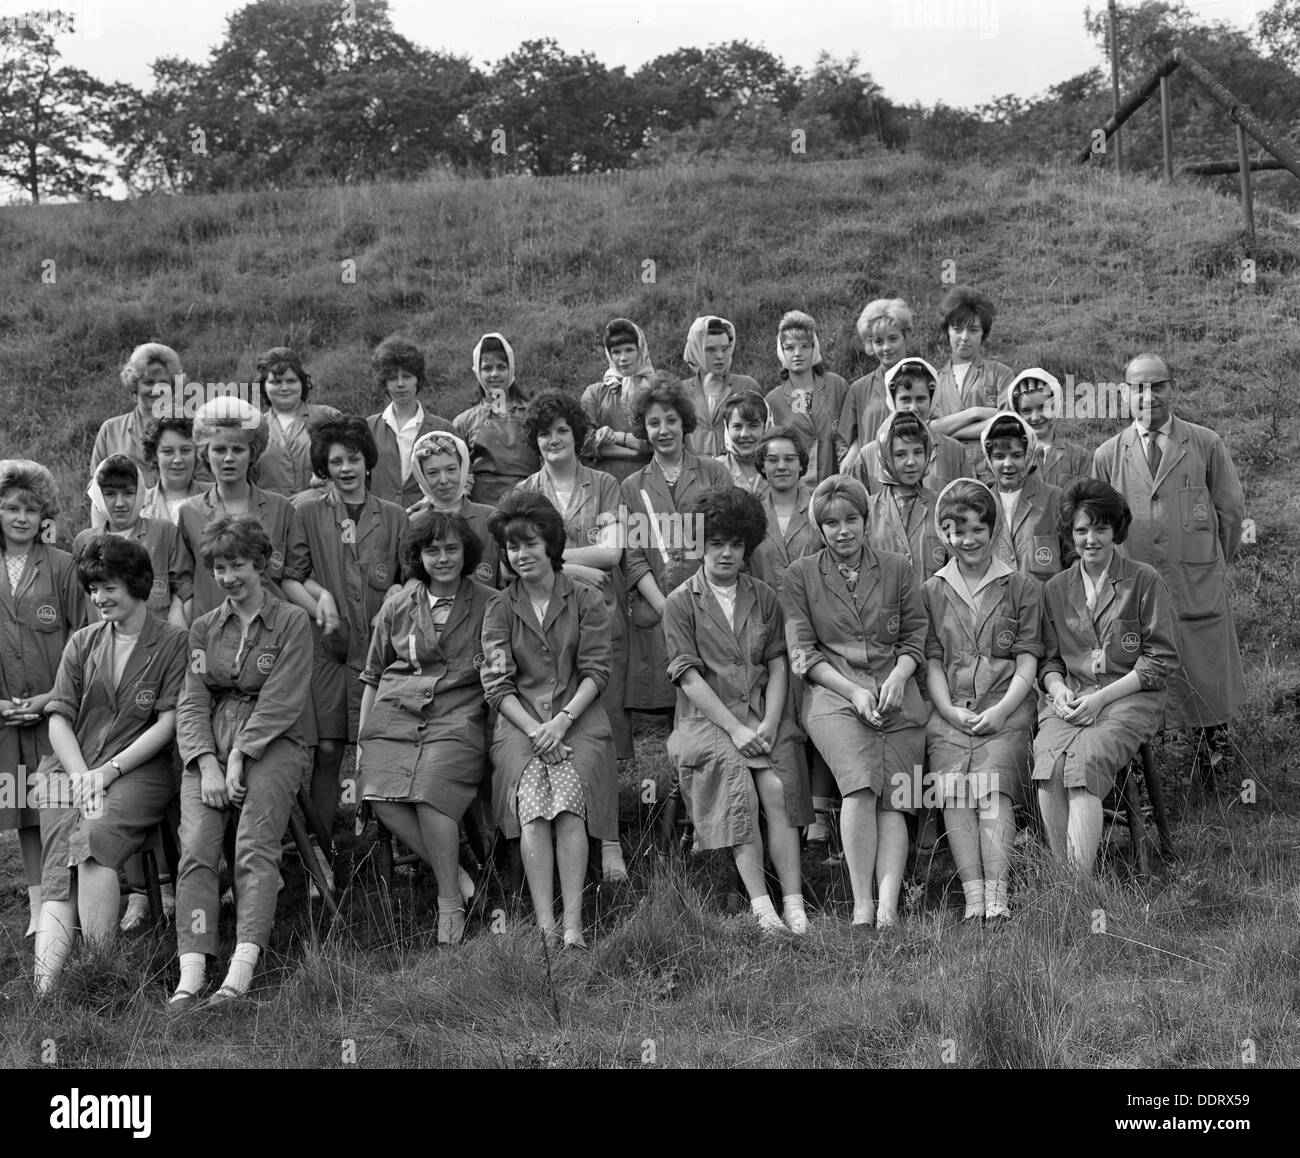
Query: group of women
x=831, y=590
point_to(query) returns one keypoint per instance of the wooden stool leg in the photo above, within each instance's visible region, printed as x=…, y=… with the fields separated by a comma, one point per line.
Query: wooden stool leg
x=384, y=858
x=301, y=837
x=323, y=837
x=152, y=887
x=1137, y=828
x=1156, y=794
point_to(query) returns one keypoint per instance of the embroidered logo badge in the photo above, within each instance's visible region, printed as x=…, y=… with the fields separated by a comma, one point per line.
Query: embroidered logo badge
x=46, y=613
x=483, y=572
x=892, y=626
x=277, y=560
x=1200, y=511
x=144, y=699
x=1130, y=641
x=1043, y=556
x=265, y=662
x=938, y=553
x=479, y=660
x=381, y=572
x=159, y=587
x=1006, y=638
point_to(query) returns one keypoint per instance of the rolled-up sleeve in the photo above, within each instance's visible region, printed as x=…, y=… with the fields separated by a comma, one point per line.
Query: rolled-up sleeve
x=1029, y=625
x=297, y=560
x=69, y=682
x=282, y=698
x=933, y=644
x=1159, y=656
x=498, y=671
x=595, y=652
x=679, y=634
x=172, y=661
x=1052, y=660
x=381, y=653
x=194, y=711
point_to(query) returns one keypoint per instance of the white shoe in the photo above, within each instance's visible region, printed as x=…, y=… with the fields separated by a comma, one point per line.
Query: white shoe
x=169, y=903
x=796, y=920
x=769, y=924
x=137, y=912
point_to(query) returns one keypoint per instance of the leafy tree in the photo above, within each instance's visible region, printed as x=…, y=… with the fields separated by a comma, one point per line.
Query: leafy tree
x=53, y=114
x=852, y=101
x=1279, y=31
x=298, y=91
x=691, y=85
x=546, y=112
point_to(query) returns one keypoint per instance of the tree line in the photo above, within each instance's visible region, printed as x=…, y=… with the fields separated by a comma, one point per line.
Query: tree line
x=325, y=92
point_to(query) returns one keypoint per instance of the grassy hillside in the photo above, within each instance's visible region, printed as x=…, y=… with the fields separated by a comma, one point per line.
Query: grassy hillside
x=1086, y=270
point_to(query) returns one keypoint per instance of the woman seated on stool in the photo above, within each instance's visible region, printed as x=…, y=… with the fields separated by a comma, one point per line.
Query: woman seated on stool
x=240, y=733
x=1109, y=643
x=546, y=651
x=423, y=732
x=112, y=716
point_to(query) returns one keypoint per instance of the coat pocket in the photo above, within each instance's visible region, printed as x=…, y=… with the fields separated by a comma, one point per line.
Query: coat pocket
x=1004, y=636
x=260, y=664
x=1199, y=543
x=1046, y=556
x=1123, y=645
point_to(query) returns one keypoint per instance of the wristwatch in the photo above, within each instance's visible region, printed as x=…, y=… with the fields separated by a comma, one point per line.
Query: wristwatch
x=116, y=766
x=572, y=718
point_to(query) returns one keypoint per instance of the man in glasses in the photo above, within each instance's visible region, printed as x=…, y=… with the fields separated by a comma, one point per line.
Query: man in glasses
x=1188, y=507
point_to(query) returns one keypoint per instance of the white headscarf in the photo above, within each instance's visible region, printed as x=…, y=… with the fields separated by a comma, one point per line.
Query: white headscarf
x=114, y=463
x=796, y=320
x=1053, y=385
x=697, y=335
x=440, y=442
x=642, y=374
x=997, y=506
x=478, y=357
x=896, y=369
x=1031, y=451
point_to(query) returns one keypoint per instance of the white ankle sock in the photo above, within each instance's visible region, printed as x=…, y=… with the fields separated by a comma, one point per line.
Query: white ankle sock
x=763, y=905
x=995, y=899
x=793, y=913
x=194, y=971
x=242, y=963
x=611, y=860
x=974, y=891
x=864, y=914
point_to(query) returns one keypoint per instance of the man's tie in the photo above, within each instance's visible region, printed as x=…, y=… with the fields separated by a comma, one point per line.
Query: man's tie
x=1153, y=453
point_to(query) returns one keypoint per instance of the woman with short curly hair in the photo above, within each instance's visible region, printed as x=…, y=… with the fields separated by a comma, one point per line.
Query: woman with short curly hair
x=734, y=745
x=155, y=379
x=41, y=603
x=230, y=435
x=662, y=547
x=589, y=501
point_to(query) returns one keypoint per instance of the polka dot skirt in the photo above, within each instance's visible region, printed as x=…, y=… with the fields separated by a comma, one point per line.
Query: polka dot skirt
x=546, y=790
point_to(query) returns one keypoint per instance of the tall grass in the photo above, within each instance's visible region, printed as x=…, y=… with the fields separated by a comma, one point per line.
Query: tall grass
x=1086, y=269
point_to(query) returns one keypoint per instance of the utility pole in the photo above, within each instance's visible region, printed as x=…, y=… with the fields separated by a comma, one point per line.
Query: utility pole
x=1114, y=78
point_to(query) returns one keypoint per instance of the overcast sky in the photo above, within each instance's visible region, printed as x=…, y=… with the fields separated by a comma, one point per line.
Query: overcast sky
x=964, y=52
